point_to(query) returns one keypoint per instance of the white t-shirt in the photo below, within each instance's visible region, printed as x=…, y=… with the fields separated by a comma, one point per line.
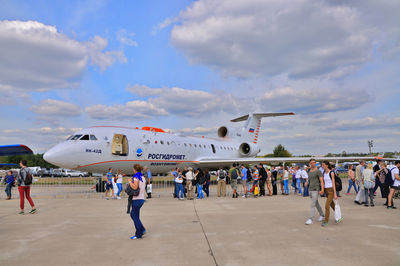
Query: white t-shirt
x=298, y=174
x=304, y=174
x=285, y=175
x=119, y=180
x=395, y=171
x=327, y=180
x=189, y=175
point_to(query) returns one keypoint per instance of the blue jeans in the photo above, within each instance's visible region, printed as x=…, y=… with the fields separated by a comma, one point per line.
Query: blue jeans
x=286, y=185
x=119, y=185
x=200, y=191
x=135, y=213
x=179, y=187
x=298, y=181
x=352, y=184
x=8, y=190
x=305, y=194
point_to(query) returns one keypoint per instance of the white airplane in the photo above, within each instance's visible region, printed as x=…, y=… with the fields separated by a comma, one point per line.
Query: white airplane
x=98, y=148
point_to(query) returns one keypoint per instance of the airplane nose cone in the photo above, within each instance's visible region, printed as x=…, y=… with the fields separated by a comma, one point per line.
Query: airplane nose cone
x=49, y=156
x=54, y=155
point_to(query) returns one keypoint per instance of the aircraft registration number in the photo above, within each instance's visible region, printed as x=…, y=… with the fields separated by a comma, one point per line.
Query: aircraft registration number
x=93, y=150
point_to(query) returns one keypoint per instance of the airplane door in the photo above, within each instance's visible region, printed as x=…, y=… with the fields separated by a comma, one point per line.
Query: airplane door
x=120, y=145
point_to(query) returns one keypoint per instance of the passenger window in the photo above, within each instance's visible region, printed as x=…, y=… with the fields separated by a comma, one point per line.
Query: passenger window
x=76, y=137
x=161, y=141
x=167, y=142
x=93, y=137
x=85, y=137
x=185, y=144
x=195, y=145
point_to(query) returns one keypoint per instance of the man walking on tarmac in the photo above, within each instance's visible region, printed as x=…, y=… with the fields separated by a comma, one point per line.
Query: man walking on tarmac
x=315, y=181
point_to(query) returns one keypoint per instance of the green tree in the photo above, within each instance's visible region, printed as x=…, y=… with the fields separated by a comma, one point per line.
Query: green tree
x=280, y=151
x=32, y=160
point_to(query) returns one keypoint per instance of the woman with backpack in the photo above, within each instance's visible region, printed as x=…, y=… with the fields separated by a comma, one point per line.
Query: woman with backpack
x=136, y=182
x=24, y=187
x=329, y=188
x=381, y=174
x=368, y=179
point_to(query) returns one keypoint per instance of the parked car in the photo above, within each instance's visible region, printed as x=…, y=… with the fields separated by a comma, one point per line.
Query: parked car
x=35, y=170
x=45, y=172
x=341, y=170
x=58, y=172
x=73, y=173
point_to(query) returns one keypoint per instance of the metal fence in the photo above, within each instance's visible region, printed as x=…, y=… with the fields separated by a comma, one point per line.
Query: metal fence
x=162, y=186
x=95, y=187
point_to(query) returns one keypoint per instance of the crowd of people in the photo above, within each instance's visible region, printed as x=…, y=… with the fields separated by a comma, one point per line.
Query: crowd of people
x=308, y=181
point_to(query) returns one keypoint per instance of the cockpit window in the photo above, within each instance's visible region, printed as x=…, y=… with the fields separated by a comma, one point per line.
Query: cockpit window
x=85, y=137
x=93, y=137
x=70, y=137
x=76, y=137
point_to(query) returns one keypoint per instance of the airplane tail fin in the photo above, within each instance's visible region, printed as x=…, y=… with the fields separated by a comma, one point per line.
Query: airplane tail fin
x=251, y=129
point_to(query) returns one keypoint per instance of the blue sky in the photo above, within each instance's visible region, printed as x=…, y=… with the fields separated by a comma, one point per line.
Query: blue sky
x=191, y=66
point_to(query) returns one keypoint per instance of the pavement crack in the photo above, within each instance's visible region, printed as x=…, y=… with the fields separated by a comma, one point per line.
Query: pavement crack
x=205, y=235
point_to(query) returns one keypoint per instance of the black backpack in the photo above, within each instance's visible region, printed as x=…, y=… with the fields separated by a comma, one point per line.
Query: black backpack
x=338, y=181
x=222, y=174
x=249, y=177
x=388, y=178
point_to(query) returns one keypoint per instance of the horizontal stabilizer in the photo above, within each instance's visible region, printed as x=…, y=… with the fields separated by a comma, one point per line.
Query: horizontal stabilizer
x=245, y=117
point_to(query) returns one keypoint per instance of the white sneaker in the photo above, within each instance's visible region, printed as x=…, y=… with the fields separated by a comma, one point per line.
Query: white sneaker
x=309, y=221
x=321, y=218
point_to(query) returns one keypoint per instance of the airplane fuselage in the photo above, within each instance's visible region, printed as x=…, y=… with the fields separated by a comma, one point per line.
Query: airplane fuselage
x=99, y=148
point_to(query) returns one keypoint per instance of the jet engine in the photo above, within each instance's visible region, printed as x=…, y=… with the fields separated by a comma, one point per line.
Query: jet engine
x=249, y=149
x=223, y=132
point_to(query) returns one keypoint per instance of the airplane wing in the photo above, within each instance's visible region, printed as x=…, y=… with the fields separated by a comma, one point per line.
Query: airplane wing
x=15, y=149
x=217, y=162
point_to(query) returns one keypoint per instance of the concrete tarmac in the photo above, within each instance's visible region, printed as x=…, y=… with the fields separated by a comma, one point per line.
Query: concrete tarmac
x=214, y=231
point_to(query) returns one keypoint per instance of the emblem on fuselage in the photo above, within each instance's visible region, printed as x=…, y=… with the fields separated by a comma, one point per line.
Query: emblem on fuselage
x=139, y=152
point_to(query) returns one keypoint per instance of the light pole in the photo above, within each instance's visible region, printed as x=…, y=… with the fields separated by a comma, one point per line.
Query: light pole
x=370, y=145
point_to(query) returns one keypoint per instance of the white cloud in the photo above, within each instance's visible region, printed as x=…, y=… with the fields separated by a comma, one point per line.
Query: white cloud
x=12, y=97
x=183, y=102
x=372, y=123
x=126, y=38
x=314, y=100
x=130, y=110
x=303, y=38
x=37, y=57
x=144, y=91
x=40, y=139
x=56, y=108
x=167, y=22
